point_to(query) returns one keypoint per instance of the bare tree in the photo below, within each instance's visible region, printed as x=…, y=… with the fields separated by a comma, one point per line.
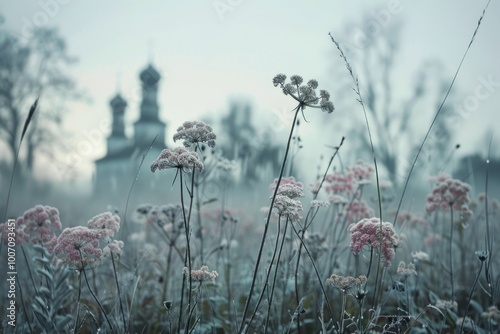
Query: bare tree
x=398, y=118
x=28, y=70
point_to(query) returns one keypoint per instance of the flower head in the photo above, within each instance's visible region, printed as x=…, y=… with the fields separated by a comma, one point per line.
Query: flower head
x=106, y=224
x=194, y=133
x=380, y=236
x=77, y=245
x=114, y=247
x=406, y=270
x=201, y=274
x=448, y=193
x=177, y=158
x=304, y=94
x=40, y=223
x=6, y=230
x=346, y=283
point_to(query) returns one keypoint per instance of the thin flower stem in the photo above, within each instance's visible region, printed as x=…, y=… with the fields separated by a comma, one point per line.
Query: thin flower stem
x=92, y=293
x=266, y=226
x=78, y=300
x=470, y=296
x=119, y=292
x=316, y=271
x=344, y=298
x=264, y=289
x=276, y=274
x=188, y=248
x=451, y=256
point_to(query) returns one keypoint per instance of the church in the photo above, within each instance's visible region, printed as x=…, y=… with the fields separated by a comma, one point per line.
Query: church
x=116, y=171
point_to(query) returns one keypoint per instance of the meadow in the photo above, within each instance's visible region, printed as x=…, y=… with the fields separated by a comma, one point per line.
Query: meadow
x=336, y=252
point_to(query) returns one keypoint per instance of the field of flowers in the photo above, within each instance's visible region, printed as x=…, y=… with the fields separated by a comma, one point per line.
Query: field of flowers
x=336, y=253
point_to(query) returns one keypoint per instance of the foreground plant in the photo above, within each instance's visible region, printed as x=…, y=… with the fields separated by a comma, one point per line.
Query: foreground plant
x=305, y=96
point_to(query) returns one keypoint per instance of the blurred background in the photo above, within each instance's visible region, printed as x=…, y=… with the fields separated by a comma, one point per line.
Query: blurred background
x=111, y=76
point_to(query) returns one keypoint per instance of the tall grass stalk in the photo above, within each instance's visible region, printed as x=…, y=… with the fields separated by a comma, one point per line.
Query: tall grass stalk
x=268, y=219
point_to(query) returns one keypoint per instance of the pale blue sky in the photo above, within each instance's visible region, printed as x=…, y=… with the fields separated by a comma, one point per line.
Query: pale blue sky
x=207, y=57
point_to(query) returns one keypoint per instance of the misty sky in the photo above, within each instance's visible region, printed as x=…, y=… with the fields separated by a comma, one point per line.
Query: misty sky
x=217, y=51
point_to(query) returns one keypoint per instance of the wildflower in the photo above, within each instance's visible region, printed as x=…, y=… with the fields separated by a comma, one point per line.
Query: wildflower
x=290, y=190
x=285, y=180
x=362, y=172
x=337, y=199
x=40, y=223
x=368, y=232
x=465, y=322
x=358, y=209
x=285, y=206
x=304, y=94
x=194, y=133
x=201, y=275
x=177, y=158
x=106, y=224
x=317, y=204
x=491, y=314
x=346, y=283
x=447, y=193
x=406, y=270
x=411, y=219
x=75, y=241
x=6, y=230
x=114, y=246
x=446, y=304
x=420, y=256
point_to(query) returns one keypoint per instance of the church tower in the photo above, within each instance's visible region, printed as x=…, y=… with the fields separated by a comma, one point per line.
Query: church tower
x=149, y=125
x=117, y=141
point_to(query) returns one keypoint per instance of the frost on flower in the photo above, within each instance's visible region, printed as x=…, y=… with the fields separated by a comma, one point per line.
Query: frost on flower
x=286, y=202
x=75, y=240
x=447, y=193
x=114, y=247
x=177, y=158
x=194, y=133
x=40, y=223
x=420, y=256
x=346, y=283
x=106, y=224
x=406, y=270
x=305, y=94
x=201, y=274
x=368, y=232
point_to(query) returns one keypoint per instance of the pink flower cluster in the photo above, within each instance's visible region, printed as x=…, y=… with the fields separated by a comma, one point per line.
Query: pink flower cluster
x=448, y=193
x=40, y=223
x=362, y=172
x=75, y=240
x=194, y=133
x=368, y=232
x=201, y=274
x=357, y=209
x=412, y=219
x=106, y=224
x=114, y=247
x=177, y=158
x=20, y=235
x=347, y=183
x=286, y=202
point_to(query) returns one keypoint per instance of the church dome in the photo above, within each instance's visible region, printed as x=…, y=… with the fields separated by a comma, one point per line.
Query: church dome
x=117, y=102
x=150, y=76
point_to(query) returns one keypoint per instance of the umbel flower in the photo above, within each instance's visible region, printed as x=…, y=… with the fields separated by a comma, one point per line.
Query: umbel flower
x=77, y=245
x=194, y=133
x=177, y=158
x=201, y=274
x=368, y=232
x=304, y=94
x=345, y=283
x=40, y=223
x=105, y=224
x=286, y=202
x=448, y=193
